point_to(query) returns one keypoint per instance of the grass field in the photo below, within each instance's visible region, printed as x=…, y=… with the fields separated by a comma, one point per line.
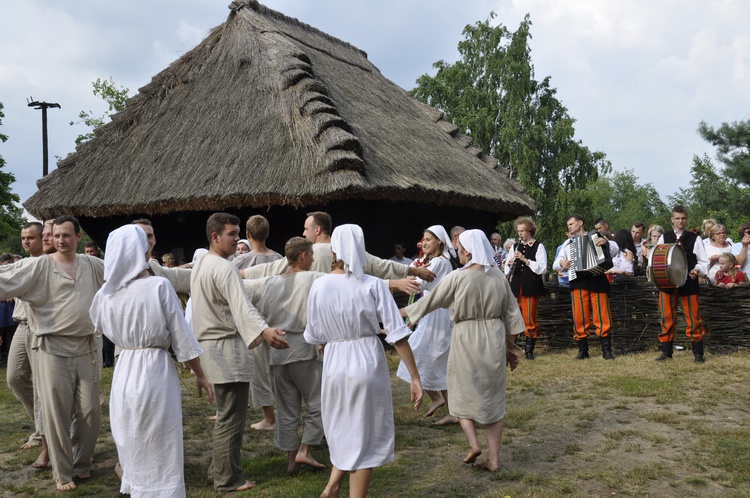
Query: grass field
x=629, y=427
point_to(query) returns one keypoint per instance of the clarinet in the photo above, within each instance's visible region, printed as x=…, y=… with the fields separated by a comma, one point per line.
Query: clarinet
x=513, y=264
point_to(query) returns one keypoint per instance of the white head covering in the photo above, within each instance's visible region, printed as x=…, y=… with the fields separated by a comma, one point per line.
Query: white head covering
x=198, y=253
x=124, y=258
x=441, y=234
x=475, y=242
x=348, y=242
x=246, y=242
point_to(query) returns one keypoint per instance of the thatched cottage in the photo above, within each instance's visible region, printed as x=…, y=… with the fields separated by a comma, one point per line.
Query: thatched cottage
x=269, y=115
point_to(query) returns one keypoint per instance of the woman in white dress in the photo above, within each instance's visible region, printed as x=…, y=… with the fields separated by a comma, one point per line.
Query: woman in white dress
x=431, y=340
x=141, y=314
x=344, y=310
x=717, y=245
x=485, y=317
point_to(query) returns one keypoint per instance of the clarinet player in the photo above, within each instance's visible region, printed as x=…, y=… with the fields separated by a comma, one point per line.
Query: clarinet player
x=589, y=294
x=524, y=268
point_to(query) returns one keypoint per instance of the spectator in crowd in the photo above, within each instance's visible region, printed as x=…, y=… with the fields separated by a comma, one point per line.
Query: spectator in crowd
x=243, y=247
x=91, y=249
x=717, y=245
x=602, y=227
x=654, y=234
x=729, y=274
x=169, y=260
x=496, y=240
x=623, y=263
x=740, y=248
x=399, y=248
x=636, y=232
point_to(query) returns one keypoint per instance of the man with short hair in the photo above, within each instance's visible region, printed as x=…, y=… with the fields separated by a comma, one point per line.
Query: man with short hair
x=636, y=231
x=687, y=295
x=227, y=325
x=258, y=229
x=48, y=241
x=399, y=248
x=497, y=245
x=296, y=372
x=21, y=354
x=589, y=293
x=59, y=290
x=91, y=249
x=602, y=227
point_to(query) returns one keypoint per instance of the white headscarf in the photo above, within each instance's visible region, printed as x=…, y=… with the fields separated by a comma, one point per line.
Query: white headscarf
x=198, y=253
x=441, y=234
x=348, y=242
x=246, y=242
x=124, y=258
x=475, y=242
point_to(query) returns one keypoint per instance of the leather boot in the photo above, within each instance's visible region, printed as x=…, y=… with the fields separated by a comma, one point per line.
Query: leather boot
x=666, y=351
x=583, y=349
x=529, y=348
x=607, y=347
x=698, y=351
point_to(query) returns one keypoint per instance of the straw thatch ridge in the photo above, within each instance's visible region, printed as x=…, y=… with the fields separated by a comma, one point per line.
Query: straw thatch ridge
x=268, y=111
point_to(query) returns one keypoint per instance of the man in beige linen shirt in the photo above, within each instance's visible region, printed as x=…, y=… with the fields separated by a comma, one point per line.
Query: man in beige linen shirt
x=59, y=289
x=227, y=326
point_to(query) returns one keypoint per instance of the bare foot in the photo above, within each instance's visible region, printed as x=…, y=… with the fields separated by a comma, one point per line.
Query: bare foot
x=246, y=486
x=83, y=476
x=101, y=398
x=330, y=493
x=471, y=457
x=434, y=406
x=263, y=426
x=309, y=461
x=68, y=486
x=42, y=460
x=447, y=420
x=487, y=465
x=118, y=470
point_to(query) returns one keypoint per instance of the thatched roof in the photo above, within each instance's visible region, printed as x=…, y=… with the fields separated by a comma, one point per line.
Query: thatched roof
x=268, y=111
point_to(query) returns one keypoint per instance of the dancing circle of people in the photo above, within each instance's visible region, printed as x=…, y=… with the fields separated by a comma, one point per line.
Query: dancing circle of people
x=276, y=332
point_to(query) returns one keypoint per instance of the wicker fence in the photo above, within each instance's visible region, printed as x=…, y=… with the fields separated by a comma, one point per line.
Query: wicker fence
x=635, y=317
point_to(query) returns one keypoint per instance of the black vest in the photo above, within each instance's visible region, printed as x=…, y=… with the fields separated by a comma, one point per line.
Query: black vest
x=687, y=242
x=522, y=279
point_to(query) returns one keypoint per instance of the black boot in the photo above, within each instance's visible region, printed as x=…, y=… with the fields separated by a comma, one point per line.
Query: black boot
x=583, y=349
x=529, y=348
x=607, y=347
x=666, y=351
x=698, y=351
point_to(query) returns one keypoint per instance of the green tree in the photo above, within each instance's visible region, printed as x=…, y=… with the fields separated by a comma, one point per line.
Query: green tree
x=733, y=144
x=11, y=216
x=115, y=97
x=713, y=195
x=619, y=198
x=491, y=95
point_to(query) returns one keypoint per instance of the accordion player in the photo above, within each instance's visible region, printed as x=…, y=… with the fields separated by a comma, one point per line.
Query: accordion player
x=587, y=258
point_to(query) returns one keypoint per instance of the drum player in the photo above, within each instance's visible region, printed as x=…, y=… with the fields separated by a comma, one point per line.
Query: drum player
x=697, y=265
x=589, y=293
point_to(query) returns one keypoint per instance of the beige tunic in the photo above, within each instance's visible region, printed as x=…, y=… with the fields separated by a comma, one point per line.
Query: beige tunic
x=224, y=321
x=58, y=306
x=322, y=260
x=178, y=277
x=484, y=312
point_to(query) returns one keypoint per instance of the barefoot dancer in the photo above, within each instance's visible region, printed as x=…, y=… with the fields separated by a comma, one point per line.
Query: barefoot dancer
x=295, y=372
x=142, y=316
x=226, y=325
x=431, y=340
x=344, y=312
x=486, y=317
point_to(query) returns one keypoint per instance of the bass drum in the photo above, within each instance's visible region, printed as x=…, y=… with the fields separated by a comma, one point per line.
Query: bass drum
x=667, y=266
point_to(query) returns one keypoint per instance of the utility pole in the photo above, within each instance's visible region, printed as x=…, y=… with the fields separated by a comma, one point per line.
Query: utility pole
x=43, y=106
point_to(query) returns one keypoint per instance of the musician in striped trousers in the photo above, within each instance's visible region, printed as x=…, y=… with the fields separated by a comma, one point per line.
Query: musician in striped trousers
x=687, y=295
x=589, y=294
x=524, y=267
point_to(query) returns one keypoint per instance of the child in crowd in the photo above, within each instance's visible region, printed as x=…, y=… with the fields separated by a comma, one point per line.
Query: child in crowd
x=729, y=274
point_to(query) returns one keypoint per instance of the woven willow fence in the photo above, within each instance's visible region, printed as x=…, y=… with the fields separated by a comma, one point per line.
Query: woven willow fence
x=635, y=317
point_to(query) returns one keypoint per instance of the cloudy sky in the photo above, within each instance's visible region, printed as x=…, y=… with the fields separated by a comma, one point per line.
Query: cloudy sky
x=638, y=76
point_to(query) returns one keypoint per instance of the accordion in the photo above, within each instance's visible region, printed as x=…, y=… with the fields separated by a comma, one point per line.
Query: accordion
x=587, y=258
